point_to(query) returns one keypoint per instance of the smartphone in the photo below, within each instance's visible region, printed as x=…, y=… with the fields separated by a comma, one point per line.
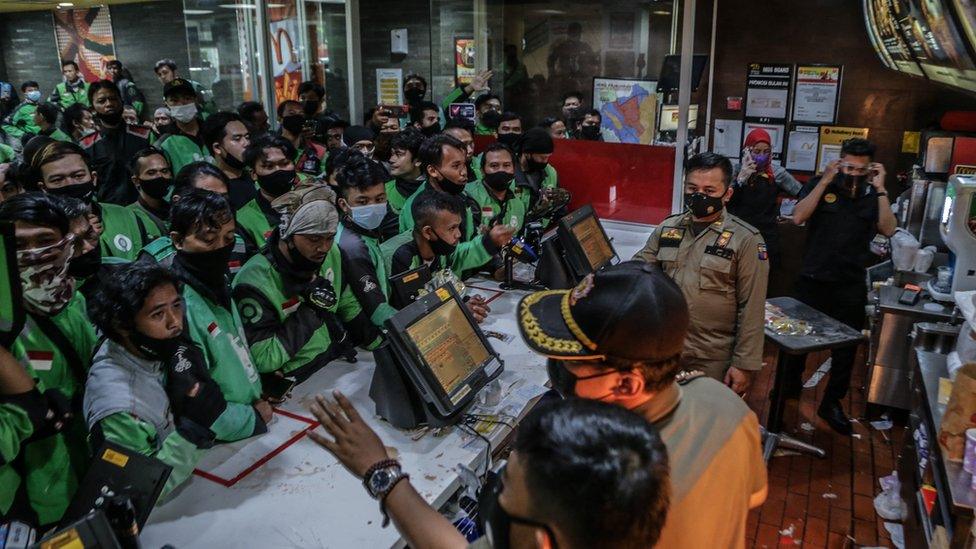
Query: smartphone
x=276, y=388
x=399, y=111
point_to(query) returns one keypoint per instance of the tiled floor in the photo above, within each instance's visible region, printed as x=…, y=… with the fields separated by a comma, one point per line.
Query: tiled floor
x=823, y=502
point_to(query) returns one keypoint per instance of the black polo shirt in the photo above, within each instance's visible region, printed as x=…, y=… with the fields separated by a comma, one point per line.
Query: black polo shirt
x=839, y=233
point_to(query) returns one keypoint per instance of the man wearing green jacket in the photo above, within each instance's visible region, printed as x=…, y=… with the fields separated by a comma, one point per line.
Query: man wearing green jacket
x=443, y=158
x=166, y=72
x=462, y=93
x=292, y=297
x=62, y=169
x=404, y=167
x=20, y=121
x=153, y=178
x=148, y=388
x=534, y=174
x=46, y=118
x=488, y=109
x=495, y=193
x=270, y=159
x=56, y=342
x=182, y=141
x=73, y=90
x=202, y=230
x=362, y=206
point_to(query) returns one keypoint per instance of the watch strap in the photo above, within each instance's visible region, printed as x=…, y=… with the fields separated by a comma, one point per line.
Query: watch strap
x=382, y=464
x=386, y=516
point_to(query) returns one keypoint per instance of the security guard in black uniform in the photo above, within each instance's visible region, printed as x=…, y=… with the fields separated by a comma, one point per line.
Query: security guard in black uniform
x=845, y=208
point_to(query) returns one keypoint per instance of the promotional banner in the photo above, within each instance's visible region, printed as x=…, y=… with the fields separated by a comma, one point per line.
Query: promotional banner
x=831, y=139
x=464, y=69
x=285, y=38
x=85, y=37
x=816, y=94
x=627, y=108
x=768, y=90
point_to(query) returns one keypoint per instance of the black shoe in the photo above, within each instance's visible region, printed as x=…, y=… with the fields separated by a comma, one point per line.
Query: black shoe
x=832, y=412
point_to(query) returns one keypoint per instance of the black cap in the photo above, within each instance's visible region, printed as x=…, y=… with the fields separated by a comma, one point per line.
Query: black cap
x=178, y=85
x=355, y=134
x=631, y=311
x=536, y=140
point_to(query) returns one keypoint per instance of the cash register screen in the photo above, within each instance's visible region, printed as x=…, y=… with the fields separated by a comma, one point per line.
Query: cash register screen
x=449, y=345
x=591, y=238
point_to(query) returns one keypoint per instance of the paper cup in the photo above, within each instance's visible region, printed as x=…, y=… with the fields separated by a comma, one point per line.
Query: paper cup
x=969, y=457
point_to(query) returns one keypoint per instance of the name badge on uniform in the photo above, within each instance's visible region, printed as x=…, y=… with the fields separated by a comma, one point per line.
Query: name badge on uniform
x=671, y=237
x=724, y=253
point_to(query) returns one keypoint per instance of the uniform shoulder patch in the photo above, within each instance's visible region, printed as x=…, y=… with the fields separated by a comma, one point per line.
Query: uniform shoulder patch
x=763, y=254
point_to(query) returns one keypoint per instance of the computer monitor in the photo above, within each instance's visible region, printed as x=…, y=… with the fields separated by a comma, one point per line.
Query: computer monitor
x=434, y=363
x=586, y=246
x=120, y=471
x=670, y=76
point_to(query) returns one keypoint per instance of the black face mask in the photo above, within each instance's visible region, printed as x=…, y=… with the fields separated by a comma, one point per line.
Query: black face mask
x=299, y=262
x=431, y=130
x=852, y=185
x=440, y=247
x=449, y=186
x=496, y=521
x=208, y=267
x=564, y=382
x=152, y=348
x=233, y=162
x=590, y=133
x=86, y=264
x=82, y=191
x=535, y=166
x=110, y=119
x=509, y=139
x=702, y=205
x=498, y=181
x=414, y=95
x=491, y=118
x=293, y=123
x=157, y=187
x=277, y=182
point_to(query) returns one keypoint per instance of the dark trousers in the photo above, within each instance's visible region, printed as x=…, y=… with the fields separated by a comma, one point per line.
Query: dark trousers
x=842, y=301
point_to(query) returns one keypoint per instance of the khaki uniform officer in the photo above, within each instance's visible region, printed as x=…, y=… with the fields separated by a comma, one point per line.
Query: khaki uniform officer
x=721, y=265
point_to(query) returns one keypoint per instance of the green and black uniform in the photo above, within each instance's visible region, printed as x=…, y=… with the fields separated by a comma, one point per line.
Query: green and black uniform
x=65, y=94
x=56, y=134
x=162, y=251
x=529, y=186
x=365, y=270
x=125, y=232
x=20, y=121
x=510, y=211
x=131, y=95
x=158, y=218
x=286, y=334
x=398, y=190
x=256, y=220
x=182, y=148
x=214, y=325
x=57, y=350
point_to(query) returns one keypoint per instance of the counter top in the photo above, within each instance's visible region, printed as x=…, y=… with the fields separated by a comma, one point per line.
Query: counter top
x=888, y=301
x=827, y=333
x=933, y=366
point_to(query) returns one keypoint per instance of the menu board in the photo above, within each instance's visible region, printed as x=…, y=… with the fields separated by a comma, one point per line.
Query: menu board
x=966, y=17
x=930, y=31
x=891, y=45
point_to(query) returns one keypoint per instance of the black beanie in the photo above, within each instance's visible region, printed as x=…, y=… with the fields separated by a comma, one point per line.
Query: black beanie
x=353, y=134
x=536, y=140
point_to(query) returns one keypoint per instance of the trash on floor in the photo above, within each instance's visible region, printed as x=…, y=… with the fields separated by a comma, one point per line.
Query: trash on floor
x=888, y=504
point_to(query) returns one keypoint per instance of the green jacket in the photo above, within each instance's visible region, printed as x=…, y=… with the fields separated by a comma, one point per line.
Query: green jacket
x=53, y=465
x=284, y=333
x=149, y=218
x=481, y=129
x=21, y=121
x=365, y=272
x=64, y=96
x=527, y=193
x=510, y=212
x=126, y=232
x=58, y=135
x=7, y=153
x=182, y=148
x=162, y=251
x=15, y=428
x=398, y=191
x=255, y=221
x=475, y=250
x=218, y=331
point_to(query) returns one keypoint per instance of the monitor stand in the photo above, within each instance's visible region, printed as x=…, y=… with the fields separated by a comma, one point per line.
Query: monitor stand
x=511, y=284
x=552, y=270
x=397, y=400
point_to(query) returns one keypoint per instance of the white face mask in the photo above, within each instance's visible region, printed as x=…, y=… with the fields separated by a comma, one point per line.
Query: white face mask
x=183, y=113
x=369, y=217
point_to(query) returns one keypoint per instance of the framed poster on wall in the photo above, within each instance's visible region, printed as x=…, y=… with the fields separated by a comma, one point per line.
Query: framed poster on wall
x=801, y=154
x=85, y=37
x=389, y=88
x=768, y=90
x=816, y=94
x=628, y=109
x=831, y=139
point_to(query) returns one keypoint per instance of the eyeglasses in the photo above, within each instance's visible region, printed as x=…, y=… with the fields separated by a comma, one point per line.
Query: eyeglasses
x=854, y=169
x=365, y=149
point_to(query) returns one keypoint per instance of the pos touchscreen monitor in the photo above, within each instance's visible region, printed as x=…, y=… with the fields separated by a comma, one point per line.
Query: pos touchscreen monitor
x=434, y=363
x=585, y=244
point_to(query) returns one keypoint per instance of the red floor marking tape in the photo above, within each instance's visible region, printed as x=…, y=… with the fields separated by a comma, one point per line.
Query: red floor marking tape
x=254, y=466
x=498, y=293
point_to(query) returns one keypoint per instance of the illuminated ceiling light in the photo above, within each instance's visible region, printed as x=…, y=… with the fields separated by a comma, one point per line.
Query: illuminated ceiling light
x=237, y=6
x=197, y=12
x=275, y=6
x=65, y=5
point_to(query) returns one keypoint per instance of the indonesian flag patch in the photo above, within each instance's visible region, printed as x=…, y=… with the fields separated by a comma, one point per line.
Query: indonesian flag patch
x=289, y=306
x=213, y=329
x=41, y=360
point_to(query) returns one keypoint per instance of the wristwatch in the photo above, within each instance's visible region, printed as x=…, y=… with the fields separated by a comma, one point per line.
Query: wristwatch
x=382, y=477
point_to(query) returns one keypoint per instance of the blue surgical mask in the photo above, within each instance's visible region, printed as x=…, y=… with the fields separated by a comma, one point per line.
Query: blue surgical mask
x=369, y=217
x=33, y=96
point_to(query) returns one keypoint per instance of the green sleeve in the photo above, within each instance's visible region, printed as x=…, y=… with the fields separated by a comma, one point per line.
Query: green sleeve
x=470, y=255
x=15, y=428
x=138, y=106
x=7, y=153
x=236, y=423
x=348, y=307
x=152, y=230
x=457, y=95
x=139, y=436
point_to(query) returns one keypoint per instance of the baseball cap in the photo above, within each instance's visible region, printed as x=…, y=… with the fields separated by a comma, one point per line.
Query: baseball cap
x=177, y=85
x=631, y=311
